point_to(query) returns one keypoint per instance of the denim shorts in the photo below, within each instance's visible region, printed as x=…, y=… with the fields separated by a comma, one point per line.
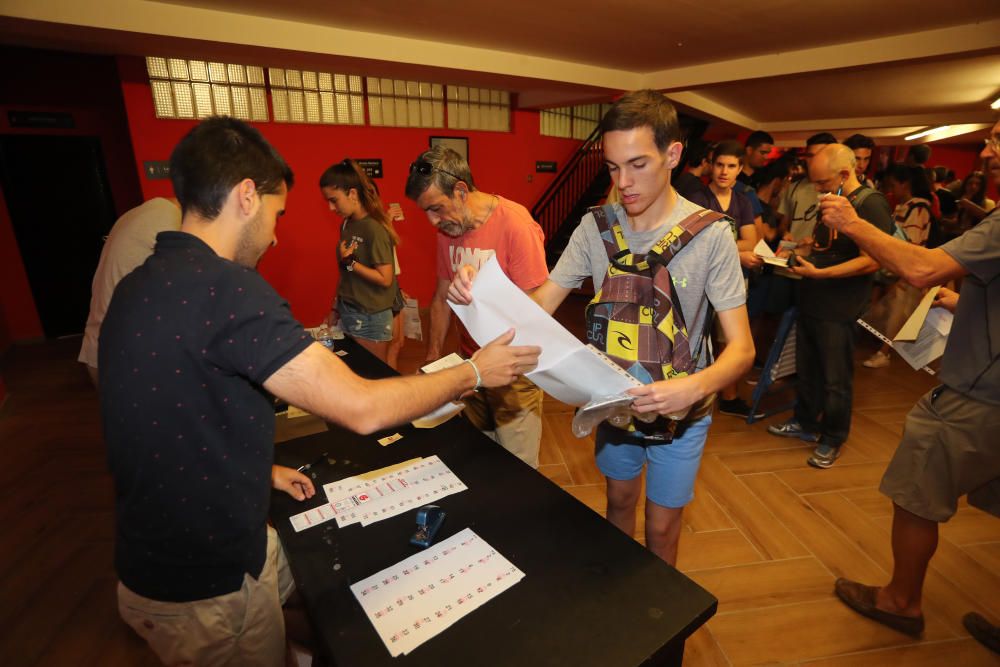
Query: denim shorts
x=356, y=323
x=671, y=467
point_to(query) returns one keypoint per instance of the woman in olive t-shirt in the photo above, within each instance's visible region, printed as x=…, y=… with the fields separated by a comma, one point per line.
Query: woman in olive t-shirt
x=367, y=287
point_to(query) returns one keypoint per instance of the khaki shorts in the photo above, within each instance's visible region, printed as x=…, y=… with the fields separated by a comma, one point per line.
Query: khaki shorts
x=950, y=448
x=245, y=627
x=511, y=415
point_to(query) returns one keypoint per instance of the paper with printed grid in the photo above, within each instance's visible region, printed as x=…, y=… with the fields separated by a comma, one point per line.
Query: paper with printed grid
x=365, y=500
x=416, y=599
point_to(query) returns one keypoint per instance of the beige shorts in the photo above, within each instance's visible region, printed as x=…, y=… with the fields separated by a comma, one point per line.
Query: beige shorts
x=245, y=627
x=511, y=415
x=949, y=449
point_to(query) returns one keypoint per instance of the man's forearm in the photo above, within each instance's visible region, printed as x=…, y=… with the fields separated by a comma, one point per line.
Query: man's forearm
x=859, y=266
x=915, y=264
x=440, y=320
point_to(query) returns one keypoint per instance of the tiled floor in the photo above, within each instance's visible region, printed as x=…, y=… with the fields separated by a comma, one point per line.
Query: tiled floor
x=765, y=533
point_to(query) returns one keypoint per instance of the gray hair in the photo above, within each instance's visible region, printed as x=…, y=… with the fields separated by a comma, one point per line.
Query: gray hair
x=438, y=166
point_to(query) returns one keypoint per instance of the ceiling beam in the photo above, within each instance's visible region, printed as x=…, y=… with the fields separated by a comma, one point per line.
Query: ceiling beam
x=924, y=44
x=922, y=120
x=159, y=18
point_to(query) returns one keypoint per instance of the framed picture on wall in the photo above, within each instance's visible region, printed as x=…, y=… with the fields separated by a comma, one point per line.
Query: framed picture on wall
x=458, y=144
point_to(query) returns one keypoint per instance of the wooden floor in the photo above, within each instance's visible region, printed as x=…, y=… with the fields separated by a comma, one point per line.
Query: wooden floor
x=766, y=533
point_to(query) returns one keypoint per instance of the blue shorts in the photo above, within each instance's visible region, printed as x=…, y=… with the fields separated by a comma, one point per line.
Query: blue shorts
x=356, y=323
x=671, y=467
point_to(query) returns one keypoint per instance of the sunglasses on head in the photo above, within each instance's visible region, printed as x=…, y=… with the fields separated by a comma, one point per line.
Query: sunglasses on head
x=425, y=168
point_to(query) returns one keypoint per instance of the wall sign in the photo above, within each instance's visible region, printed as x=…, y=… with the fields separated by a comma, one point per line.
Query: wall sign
x=156, y=169
x=545, y=167
x=372, y=166
x=53, y=119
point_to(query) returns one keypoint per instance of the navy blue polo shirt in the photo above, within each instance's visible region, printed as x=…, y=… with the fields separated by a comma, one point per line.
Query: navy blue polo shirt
x=188, y=340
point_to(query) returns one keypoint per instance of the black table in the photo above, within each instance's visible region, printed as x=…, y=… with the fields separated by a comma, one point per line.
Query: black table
x=590, y=595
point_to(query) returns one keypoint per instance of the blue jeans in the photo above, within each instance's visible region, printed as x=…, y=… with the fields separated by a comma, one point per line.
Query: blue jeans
x=824, y=360
x=356, y=323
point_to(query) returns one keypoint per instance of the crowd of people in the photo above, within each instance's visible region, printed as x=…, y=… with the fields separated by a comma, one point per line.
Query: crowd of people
x=191, y=333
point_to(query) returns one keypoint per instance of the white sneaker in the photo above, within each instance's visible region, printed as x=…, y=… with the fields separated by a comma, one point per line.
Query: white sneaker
x=877, y=360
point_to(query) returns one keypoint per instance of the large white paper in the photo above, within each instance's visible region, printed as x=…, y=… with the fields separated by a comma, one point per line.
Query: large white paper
x=567, y=369
x=416, y=599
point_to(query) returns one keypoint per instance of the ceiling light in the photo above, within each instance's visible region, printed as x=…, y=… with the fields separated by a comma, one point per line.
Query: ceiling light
x=911, y=137
x=996, y=104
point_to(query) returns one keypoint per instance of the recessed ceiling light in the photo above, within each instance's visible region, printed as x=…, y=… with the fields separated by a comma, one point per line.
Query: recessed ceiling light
x=911, y=137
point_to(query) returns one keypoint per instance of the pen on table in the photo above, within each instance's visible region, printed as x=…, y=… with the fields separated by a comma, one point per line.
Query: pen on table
x=303, y=468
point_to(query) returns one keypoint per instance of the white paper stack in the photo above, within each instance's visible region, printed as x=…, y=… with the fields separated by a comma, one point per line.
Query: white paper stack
x=416, y=599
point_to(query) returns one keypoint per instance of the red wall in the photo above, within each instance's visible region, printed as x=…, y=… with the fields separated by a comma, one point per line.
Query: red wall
x=86, y=87
x=302, y=268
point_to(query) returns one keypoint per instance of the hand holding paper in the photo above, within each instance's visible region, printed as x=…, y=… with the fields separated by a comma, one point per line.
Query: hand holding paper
x=567, y=369
x=460, y=291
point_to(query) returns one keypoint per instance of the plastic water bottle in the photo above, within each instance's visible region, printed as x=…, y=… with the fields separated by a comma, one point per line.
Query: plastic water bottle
x=324, y=337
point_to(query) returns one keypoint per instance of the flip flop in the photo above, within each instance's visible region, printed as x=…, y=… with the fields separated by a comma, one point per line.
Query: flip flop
x=862, y=598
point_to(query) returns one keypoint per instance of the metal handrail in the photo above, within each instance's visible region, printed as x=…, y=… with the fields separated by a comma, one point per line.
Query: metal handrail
x=562, y=195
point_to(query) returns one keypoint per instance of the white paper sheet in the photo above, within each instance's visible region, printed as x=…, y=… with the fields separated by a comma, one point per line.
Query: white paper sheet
x=764, y=251
x=367, y=500
x=567, y=369
x=418, y=598
x=439, y=416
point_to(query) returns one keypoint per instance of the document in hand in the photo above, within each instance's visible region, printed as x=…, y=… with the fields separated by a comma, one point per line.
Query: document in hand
x=905, y=320
x=567, y=369
x=764, y=251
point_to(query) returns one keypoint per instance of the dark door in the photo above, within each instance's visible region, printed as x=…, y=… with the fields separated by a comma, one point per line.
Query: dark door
x=61, y=209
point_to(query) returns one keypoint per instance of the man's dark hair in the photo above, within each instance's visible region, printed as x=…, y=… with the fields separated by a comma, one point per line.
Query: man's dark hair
x=821, y=138
x=644, y=108
x=215, y=156
x=914, y=176
x=758, y=137
x=920, y=153
x=729, y=147
x=856, y=141
x=696, y=151
x=780, y=168
x=438, y=166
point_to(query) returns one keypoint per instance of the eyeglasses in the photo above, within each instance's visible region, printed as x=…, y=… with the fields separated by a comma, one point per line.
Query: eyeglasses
x=425, y=168
x=993, y=143
x=831, y=234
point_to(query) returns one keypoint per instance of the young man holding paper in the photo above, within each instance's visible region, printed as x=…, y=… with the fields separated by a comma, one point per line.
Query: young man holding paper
x=677, y=289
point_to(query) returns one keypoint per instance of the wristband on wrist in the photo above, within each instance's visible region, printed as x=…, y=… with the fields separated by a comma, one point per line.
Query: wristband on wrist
x=479, y=378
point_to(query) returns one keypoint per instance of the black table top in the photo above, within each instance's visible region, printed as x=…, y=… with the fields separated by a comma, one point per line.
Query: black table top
x=590, y=595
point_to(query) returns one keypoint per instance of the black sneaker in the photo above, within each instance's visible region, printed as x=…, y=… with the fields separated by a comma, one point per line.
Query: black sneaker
x=982, y=631
x=737, y=407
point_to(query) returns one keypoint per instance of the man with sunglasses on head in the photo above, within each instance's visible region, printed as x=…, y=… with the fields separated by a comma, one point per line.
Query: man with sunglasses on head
x=949, y=447
x=472, y=227
x=835, y=287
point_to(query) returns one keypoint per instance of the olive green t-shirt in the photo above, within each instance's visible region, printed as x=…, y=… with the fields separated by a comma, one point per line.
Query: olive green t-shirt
x=374, y=248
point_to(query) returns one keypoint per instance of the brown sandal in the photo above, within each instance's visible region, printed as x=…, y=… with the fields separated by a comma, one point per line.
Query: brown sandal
x=862, y=598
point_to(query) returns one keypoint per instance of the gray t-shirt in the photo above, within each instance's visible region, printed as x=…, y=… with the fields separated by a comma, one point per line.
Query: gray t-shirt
x=708, y=266
x=971, y=362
